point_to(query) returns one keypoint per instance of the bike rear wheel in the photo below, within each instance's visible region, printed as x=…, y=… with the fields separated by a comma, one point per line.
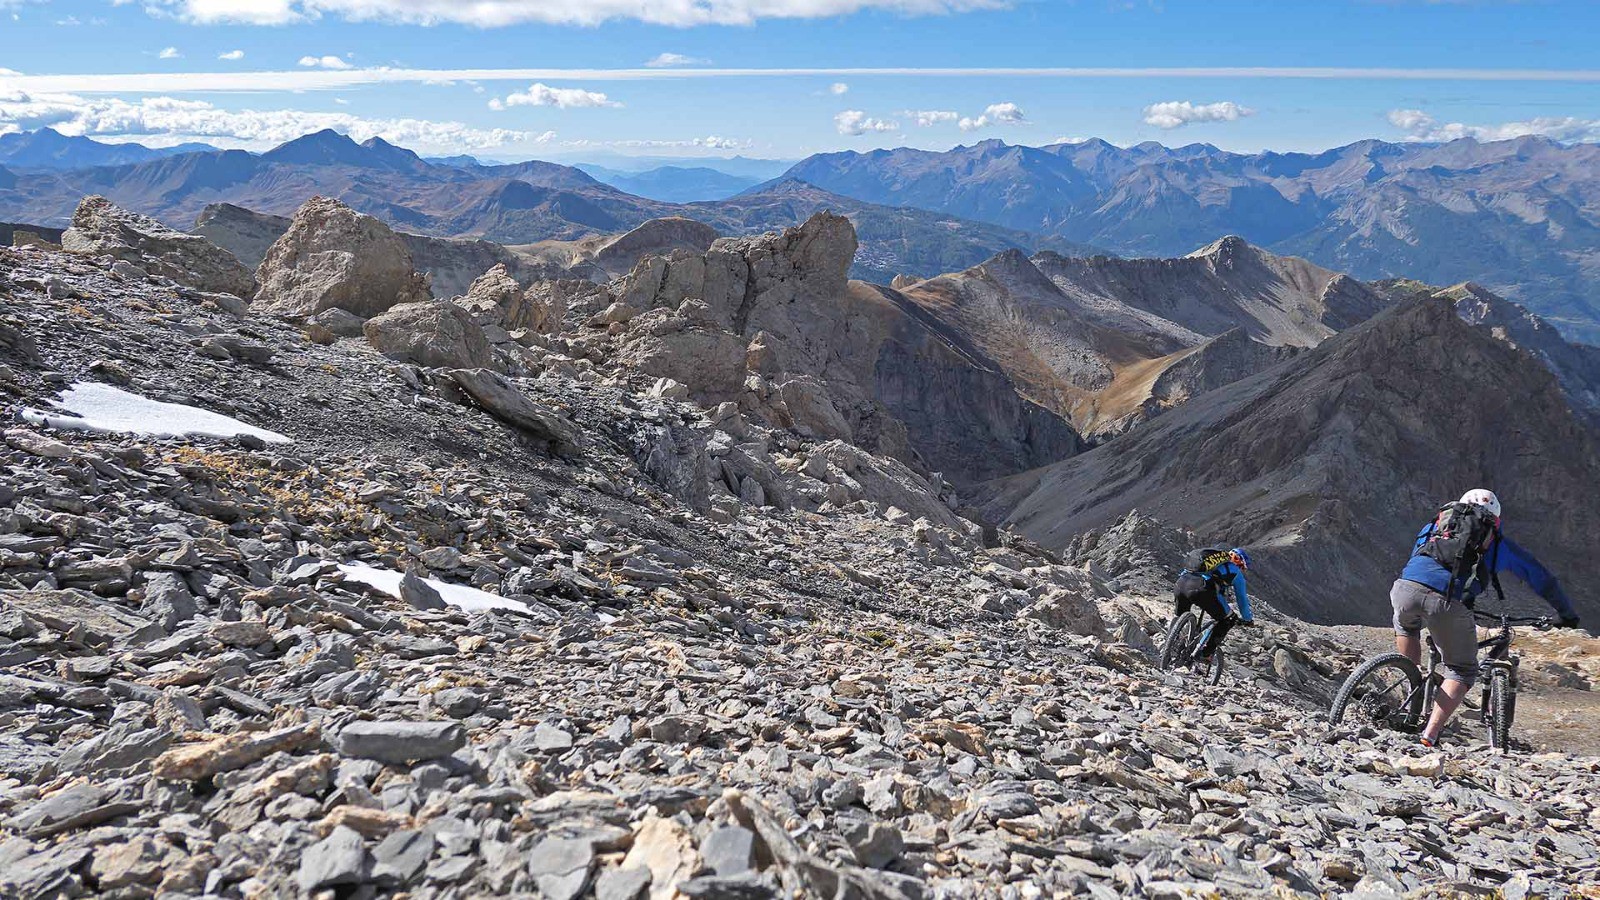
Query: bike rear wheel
x=1182, y=635
x=1497, y=711
x=1385, y=690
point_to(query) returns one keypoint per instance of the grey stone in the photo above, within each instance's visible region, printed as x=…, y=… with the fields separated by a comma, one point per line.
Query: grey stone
x=745, y=886
x=340, y=858
x=875, y=844
x=729, y=850
x=560, y=867
x=401, y=742
x=419, y=593
x=400, y=856
x=622, y=883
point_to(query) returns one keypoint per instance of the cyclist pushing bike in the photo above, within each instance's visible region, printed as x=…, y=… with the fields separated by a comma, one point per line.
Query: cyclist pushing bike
x=1206, y=578
x=1455, y=557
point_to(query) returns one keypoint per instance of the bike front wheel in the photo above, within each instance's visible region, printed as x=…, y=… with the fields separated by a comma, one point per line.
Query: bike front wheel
x=1385, y=690
x=1497, y=711
x=1182, y=636
x=1214, y=674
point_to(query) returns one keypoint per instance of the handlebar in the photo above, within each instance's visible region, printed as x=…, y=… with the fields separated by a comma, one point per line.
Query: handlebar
x=1541, y=623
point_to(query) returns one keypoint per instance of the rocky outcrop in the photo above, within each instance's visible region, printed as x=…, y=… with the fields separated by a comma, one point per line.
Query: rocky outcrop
x=657, y=237
x=773, y=325
x=334, y=256
x=101, y=228
x=1140, y=554
x=451, y=264
x=496, y=298
x=432, y=333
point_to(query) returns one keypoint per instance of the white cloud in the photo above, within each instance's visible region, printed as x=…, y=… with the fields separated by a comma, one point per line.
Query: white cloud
x=927, y=118
x=499, y=13
x=838, y=89
x=323, y=62
x=1178, y=113
x=1420, y=126
x=995, y=114
x=321, y=79
x=169, y=53
x=668, y=60
x=710, y=142
x=231, y=55
x=241, y=12
x=193, y=119
x=540, y=94
x=854, y=122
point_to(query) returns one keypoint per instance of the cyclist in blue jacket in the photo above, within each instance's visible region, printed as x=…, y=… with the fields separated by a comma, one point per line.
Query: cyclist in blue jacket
x=1427, y=594
x=1208, y=589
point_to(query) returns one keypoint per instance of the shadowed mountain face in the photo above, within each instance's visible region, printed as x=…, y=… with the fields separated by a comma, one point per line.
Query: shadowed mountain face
x=509, y=204
x=1330, y=462
x=1522, y=217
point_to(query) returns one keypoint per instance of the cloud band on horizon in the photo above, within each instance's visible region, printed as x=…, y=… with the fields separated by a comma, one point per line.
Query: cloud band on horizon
x=327, y=79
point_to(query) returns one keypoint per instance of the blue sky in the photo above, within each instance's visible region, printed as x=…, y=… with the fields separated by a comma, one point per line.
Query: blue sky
x=250, y=73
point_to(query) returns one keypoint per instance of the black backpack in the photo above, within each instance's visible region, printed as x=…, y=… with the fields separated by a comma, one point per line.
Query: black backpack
x=1204, y=560
x=1460, y=534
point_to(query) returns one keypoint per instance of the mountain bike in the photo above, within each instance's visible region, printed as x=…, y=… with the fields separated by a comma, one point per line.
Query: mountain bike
x=1185, y=637
x=1390, y=690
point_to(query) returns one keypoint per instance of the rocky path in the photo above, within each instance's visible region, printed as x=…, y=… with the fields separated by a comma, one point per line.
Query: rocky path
x=713, y=701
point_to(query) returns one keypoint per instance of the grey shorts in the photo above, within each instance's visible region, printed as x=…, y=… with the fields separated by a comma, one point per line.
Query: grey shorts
x=1417, y=606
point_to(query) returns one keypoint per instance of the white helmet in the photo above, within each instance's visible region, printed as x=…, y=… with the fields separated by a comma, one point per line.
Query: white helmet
x=1483, y=498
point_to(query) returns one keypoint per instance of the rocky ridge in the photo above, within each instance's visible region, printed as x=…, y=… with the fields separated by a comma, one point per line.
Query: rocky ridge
x=1108, y=343
x=845, y=700
x=1328, y=463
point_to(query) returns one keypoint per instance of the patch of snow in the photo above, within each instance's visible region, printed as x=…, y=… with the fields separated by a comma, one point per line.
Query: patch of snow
x=103, y=409
x=459, y=595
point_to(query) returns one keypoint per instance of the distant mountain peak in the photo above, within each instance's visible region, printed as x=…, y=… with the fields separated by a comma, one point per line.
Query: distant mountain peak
x=1228, y=247
x=334, y=148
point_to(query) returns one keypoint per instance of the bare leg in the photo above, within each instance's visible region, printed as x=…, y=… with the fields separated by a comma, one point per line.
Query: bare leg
x=1445, y=701
x=1409, y=647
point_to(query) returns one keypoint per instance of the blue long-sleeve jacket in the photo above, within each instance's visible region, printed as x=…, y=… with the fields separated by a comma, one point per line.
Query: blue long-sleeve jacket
x=1227, y=575
x=1503, y=555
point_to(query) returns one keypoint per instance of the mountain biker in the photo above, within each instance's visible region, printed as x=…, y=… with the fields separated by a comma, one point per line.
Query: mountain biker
x=1432, y=593
x=1214, y=573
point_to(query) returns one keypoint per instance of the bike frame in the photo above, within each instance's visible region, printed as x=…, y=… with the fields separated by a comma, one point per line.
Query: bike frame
x=1499, y=656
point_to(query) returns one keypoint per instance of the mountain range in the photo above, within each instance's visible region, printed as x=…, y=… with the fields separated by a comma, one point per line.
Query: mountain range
x=522, y=203
x=47, y=148
x=1521, y=216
